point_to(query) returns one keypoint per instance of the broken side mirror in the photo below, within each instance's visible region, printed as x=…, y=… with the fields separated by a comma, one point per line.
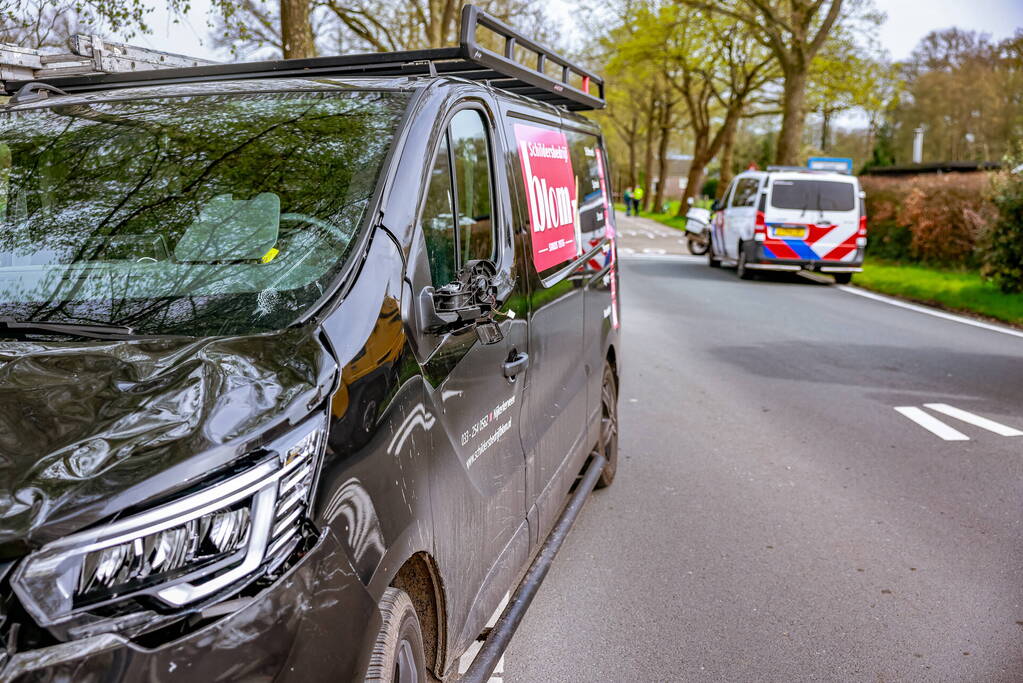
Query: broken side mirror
x=469, y=302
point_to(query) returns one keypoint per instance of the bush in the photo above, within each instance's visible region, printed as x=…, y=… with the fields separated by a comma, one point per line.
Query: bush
x=936, y=219
x=1003, y=245
x=710, y=187
x=886, y=238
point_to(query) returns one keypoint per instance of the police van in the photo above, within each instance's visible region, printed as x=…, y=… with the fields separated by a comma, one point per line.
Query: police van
x=790, y=219
x=302, y=363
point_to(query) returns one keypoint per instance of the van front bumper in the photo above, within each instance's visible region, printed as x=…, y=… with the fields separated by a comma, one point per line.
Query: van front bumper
x=317, y=622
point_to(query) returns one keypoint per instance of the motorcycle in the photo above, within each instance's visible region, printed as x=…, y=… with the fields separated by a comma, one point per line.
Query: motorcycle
x=698, y=229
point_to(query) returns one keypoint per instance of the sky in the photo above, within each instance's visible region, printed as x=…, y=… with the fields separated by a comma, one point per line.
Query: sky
x=908, y=21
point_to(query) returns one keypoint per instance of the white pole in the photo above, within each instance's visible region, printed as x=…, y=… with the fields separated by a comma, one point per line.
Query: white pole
x=918, y=145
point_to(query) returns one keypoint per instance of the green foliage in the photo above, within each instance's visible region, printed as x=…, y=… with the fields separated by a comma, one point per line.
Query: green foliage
x=710, y=187
x=1003, y=246
x=883, y=153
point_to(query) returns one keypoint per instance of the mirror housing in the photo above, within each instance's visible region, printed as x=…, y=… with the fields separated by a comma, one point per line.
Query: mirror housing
x=470, y=302
x=717, y=205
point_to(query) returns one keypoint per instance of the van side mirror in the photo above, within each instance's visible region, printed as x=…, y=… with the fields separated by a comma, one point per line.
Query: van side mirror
x=717, y=205
x=469, y=302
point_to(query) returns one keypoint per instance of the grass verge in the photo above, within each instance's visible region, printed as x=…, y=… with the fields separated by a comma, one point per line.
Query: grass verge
x=954, y=290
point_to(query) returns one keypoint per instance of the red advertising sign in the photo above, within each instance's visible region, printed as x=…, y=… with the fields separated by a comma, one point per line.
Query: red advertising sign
x=551, y=194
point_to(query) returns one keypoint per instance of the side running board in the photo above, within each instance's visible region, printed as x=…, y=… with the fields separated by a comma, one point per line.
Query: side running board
x=500, y=635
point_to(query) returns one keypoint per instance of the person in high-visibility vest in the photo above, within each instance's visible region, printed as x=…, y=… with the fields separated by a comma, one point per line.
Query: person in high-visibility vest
x=637, y=198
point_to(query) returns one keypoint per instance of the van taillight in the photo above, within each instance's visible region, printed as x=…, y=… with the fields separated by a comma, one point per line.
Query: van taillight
x=760, y=227
x=863, y=226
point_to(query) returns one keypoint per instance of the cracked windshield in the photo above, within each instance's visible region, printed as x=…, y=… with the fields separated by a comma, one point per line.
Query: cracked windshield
x=187, y=215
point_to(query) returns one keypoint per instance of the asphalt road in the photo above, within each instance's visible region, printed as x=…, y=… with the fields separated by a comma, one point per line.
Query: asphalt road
x=774, y=517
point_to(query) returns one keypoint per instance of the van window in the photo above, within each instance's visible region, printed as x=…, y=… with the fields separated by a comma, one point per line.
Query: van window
x=223, y=214
x=819, y=195
x=746, y=192
x=472, y=182
x=583, y=149
x=439, y=219
x=460, y=194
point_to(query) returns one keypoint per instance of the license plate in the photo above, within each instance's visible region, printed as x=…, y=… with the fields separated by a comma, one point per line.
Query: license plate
x=790, y=232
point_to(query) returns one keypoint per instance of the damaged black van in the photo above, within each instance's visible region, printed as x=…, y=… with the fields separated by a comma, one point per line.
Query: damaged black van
x=302, y=363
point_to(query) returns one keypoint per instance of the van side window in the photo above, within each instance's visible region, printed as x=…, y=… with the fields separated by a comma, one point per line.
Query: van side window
x=439, y=219
x=470, y=152
x=583, y=149
x=746, y=192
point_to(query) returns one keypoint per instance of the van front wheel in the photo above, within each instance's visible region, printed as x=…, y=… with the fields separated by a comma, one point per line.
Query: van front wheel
x=712, y=260
x=843, y=278
x=398, y=655
x=743, y=272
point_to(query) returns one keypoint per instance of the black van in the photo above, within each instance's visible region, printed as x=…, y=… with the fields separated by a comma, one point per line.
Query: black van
x=300, y=361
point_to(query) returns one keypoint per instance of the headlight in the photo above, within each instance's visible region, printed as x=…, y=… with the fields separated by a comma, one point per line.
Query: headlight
x=186, y=550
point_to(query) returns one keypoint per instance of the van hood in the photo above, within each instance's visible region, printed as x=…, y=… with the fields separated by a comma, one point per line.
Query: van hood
x=89, y=429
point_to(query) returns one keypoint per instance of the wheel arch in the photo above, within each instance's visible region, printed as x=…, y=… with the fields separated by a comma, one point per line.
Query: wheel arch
x=420, y=578
x=612, y=359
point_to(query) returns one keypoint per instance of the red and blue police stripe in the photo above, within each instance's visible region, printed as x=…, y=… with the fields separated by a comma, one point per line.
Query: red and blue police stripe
x=822, y=243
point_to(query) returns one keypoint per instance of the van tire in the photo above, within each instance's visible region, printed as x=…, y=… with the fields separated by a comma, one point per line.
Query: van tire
x=712, y=260
x=608, y=440
x=843, y=278
x=398, y=654
x=741, y=269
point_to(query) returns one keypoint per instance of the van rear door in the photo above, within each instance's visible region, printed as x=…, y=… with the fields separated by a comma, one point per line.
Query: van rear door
x=812, y=219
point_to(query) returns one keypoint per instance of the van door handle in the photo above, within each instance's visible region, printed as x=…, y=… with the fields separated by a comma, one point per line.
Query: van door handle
x=515, y=365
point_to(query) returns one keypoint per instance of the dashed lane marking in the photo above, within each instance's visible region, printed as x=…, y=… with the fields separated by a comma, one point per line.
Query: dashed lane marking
x=975, y=420
x=932, y=424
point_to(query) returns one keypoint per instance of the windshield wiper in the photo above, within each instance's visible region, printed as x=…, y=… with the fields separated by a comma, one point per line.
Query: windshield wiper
x=87, y=330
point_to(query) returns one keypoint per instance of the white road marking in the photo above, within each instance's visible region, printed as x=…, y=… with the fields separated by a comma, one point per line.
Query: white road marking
x=930, y=311
x=470, y=654
x=682, y=258
x=658, y=252
x=932, y=424
x=975, y=420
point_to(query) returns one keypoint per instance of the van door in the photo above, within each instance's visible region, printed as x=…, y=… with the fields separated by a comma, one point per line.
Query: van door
x=741, y=214
x=478, y=470
x=545, y=200
x=720, y=222
x=813, y=219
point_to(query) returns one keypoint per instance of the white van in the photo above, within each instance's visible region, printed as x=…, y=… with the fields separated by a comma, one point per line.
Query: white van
x=790, y=219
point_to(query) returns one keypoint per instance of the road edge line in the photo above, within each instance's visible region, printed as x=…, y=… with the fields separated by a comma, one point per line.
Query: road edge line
x=935, y=312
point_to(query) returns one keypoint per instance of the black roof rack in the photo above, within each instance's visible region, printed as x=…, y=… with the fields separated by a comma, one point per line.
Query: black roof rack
x=573, y=87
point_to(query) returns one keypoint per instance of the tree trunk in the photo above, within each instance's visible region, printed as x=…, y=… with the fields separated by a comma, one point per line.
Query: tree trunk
x=727, y=147
x=662, y=157
x=825, y=129
x=632, y=149
x=793, y=117
x=693, y=179
x=648, y=165
x=297, y=29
